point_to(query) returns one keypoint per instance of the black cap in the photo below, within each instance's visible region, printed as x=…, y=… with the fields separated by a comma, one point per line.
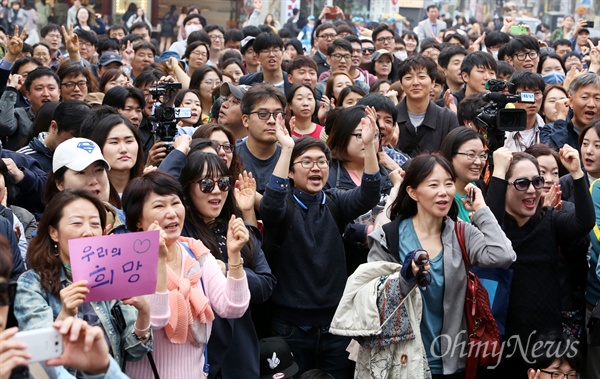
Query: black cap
x=276, y=359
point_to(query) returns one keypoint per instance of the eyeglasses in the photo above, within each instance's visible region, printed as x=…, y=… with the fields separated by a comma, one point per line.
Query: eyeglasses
x=41, y=55
x=368, y=50
x=339, y=57
x=523, y=56
x=385, y=39
x=53, y=36
x=273, y=51
x=561, y=375
x=85, y=43
x=227, y=147
x=358, y=136
x=321, y=163
x=215, y=36
x=473, y=157
x=212, y=83
x=7, y=292
x=328, y=36
x=264, y=115
x=208, y=185
x=71, y=85
x=522, y=184
x=199, y=53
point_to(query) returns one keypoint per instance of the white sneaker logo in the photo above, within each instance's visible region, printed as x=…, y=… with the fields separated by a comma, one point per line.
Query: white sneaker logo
x=273, y=361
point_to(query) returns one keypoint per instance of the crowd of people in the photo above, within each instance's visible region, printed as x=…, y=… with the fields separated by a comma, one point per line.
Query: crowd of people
x=287, y=168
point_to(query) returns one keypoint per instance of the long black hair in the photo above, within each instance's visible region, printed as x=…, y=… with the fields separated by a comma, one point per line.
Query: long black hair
x=202, y=165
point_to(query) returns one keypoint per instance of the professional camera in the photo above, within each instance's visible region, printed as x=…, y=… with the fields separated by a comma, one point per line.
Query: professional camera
x=500, y=115
x=164, y=116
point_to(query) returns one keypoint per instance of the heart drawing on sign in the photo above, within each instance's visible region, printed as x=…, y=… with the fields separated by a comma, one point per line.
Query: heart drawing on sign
x=141, y=247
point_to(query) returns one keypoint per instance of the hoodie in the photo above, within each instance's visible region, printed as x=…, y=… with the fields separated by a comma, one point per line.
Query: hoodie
x=38, y=150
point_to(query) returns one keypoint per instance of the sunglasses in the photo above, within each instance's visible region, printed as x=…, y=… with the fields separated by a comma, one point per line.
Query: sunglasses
x=7, y=292
x=421, y=259
x=208, y=185
x=522, y=184
x=368, y=50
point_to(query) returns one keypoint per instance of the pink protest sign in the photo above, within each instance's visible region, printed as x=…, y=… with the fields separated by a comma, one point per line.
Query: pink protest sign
x=116, y=266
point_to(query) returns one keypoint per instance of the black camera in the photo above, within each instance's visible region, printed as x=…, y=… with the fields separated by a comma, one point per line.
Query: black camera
x=164, y=116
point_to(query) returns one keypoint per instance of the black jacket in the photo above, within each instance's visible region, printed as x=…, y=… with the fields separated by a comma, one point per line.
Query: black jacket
x=322, y=64
x=428, y=137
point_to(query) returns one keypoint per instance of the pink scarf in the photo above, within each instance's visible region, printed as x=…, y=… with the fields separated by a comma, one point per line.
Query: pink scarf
x=189, y=305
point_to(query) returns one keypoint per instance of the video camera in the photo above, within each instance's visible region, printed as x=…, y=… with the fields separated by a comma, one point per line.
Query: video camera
x=500, y=115
x=164, y=116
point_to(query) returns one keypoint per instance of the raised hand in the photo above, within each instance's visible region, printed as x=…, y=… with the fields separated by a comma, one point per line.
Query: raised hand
x=71, y=40
x=15, y=45
x=245, y=191
x=449, y=101
x=157, y=153
x=502, y=160
x=478, y=201
x=370, y=131
x=85, y=348
x=163, y=250
x=128, y=53
x=324, y=108
x=73, y=296
x=569, y=157
x=12, y=353
x=15, y=81
x=237, y=236
x=283, y=136
x=553, y=197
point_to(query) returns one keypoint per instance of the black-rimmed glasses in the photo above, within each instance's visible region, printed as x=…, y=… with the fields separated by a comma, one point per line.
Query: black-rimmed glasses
x=522, y=184
x=207, y=185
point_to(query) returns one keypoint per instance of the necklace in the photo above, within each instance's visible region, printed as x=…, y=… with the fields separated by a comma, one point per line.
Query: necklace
x=175, y=263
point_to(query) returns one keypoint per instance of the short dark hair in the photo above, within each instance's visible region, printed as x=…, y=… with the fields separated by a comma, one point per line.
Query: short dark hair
x=192, y=46
x=430, y=6
x=38, y=73
x=251, y=31
x=117, y=96
x=199, y=36
x=267, y=41
x=23, y=61
x=69, y=115
x=448, y=52
x=199, y=74
x=285, y=33
x=192, y=16
x=429, y=43
x=381, y=28
x=504, y=69
x=6, y=258
x=554, y=346
x=469, y=108
x=144, y=45
x=341, y=131
x=139, y=188
x=133, y=38
x=117, y=27
x=350, y=89
x=87, y=36
x=320, y=28
x=521, y=43
x=302, y=144
x=147, y=77
x=233, y=35
x=50, y=28
x=416, y=62
x=496, y=38
x=528, y=81
x=381, y=103
x=140, y=25
x=301, y=61
x=260, y=93
x=561, y=42
x=210, y=28
x=339, y=43
x=69, y=69
x=109, y=44
x=478, y=59
x=352, y=39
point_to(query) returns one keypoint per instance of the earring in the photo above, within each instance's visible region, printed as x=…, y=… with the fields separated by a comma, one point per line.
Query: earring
x=56, y=250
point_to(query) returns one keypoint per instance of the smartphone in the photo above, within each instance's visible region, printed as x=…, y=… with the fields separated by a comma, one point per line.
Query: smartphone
x=518, y=30
x=42, y=344
x=471, y=196
x=589, y=24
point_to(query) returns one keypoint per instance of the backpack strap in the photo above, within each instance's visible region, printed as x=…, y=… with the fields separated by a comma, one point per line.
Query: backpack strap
x=392, y=238
x=459, y=229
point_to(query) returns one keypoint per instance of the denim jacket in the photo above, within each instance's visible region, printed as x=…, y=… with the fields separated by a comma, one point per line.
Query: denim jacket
x=36, y=308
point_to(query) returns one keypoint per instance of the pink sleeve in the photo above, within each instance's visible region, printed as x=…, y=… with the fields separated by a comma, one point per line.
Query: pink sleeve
x=160, y=312
x=229, y=297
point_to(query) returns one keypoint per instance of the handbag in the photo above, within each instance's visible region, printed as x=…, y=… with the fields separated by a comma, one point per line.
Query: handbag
x=484, y=347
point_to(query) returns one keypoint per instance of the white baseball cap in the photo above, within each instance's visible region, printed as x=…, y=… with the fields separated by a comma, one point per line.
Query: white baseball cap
x=77, y=154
